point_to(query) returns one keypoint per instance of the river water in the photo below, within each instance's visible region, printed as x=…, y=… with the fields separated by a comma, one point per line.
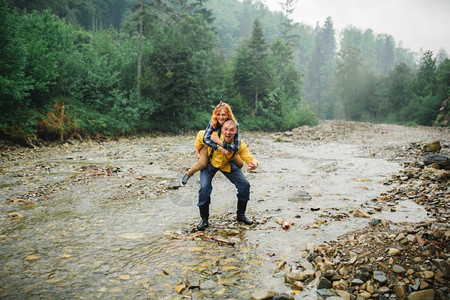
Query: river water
x=67, y=231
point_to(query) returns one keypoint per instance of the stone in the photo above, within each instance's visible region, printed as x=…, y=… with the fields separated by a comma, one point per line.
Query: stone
x=306, y=274
x=365, y=295
x=193, y=282
x=300, y=196
x=298, y=286
x=433, y=147
x=261, y=294
x=292, y=276
x=428, y=274
x=208, y=284
x=344, y=294
x=411, y=238
x=394, y=251
x=398, y=269
x=424, y=285
x=324, y=284
x=325, y=293
x=283, y=296
x=370, y=287
x=307, y=265
x=357, y=282
x=400, y=292
x=422, y=295
x=180, y=288
x=363, y=275
x=380, y=277
x=343, y=271
x=442, y=160
x=442, y=265
x=376, y=221
x=361, y=214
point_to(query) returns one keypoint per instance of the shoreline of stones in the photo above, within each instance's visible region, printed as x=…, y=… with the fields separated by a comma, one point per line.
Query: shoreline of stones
x=385, y=260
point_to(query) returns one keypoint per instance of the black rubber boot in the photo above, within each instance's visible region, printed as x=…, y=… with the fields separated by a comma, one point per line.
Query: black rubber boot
x=204, y=214
x=241, y=208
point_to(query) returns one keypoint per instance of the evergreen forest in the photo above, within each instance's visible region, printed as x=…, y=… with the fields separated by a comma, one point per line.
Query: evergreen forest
x=92, y=68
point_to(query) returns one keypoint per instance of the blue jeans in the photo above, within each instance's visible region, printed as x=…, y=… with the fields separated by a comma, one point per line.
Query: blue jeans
x=235, y=176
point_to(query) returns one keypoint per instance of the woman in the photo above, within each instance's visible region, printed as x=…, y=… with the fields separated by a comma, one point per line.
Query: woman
x=210, y=137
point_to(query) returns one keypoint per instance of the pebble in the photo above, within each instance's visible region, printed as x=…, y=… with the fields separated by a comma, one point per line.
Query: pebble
x=260, y=294
x=394, y=251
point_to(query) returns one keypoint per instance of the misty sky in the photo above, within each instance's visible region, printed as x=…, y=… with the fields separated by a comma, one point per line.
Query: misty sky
x=416, y=23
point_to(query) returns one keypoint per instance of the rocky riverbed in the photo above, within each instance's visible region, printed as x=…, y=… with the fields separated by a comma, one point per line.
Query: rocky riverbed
x=367, y=206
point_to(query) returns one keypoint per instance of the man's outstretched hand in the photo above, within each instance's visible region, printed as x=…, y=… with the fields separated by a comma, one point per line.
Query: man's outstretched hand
x=252, y=165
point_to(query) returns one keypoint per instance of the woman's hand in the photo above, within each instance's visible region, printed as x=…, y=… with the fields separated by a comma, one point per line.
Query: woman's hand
x=215, y=138
x=223, y=150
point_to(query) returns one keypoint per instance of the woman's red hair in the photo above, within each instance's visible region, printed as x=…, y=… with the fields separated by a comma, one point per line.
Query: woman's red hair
x=221, y=106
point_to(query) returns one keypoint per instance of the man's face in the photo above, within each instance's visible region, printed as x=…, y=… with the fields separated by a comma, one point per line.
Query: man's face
x=229, y=130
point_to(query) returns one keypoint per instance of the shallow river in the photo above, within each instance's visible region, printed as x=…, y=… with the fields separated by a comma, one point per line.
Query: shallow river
x=69, y=232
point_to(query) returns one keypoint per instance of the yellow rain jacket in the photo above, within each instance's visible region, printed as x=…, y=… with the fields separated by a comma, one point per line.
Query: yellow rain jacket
x=220, y=160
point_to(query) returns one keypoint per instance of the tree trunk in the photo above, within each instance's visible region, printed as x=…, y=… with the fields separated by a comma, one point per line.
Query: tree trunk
x=139, y=66
x=256, y=102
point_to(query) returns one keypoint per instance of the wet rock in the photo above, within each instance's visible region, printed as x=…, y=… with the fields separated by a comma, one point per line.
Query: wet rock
x=357, y=282
x=326, y=293
x=307, y=265
x=375, y=222
x=380, y=277
x=365, y=295
x=298, y=286
x=343, y=294
x=428, y=274
x=394, y=251
x=441, y=160
x=361, y=214
x=283, y=296
x=398, y=269
x=324, y=284
x=280, y=265
x=208, y=284
x=300, y=196
x=292, y=276
x=363, y=275
x=260, y=294
x=180, y=288
x=225, y=232
x=422, y=295
x=400, y=292
x=15, y=215
x=193, y=282
x=433, y=147
x=442, y=265
x=306, y=274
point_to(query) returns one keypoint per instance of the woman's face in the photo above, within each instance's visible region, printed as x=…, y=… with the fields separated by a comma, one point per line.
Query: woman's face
x=222, y=116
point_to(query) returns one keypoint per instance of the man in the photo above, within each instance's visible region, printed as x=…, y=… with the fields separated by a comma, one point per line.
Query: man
x=221, y=161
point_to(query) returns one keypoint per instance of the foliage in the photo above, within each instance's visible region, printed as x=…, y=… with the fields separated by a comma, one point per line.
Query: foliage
x=70, y=68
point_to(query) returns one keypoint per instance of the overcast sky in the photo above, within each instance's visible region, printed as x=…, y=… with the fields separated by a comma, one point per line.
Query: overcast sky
x=415, y=23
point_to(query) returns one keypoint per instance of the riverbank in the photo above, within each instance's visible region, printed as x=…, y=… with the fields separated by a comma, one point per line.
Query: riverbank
x=97, y=218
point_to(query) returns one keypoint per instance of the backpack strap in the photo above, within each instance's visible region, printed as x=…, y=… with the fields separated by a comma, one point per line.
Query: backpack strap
x=212, y=149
